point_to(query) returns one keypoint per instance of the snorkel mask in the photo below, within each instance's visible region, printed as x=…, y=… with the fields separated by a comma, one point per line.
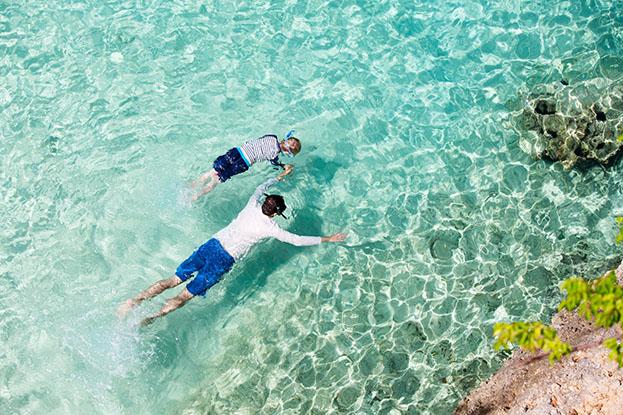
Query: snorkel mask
x=287, y=145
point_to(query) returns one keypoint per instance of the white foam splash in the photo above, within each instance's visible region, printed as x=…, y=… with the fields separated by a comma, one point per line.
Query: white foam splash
x=116, y=57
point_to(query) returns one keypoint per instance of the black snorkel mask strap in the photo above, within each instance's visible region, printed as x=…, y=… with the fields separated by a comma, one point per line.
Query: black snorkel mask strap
x=277, y=164
x=279, y=212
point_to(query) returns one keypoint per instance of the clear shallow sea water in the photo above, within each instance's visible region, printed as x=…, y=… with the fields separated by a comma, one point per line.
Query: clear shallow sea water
x=108, y=110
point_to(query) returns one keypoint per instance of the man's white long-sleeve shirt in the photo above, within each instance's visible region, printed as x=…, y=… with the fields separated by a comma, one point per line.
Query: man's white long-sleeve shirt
x=251, y=226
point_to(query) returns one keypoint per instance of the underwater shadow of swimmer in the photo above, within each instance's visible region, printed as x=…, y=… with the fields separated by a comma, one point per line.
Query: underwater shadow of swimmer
x=322, y=171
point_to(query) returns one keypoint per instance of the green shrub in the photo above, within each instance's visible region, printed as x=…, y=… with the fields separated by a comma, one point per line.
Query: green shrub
x=619, y=238
x=600, y=300
x=531, y=336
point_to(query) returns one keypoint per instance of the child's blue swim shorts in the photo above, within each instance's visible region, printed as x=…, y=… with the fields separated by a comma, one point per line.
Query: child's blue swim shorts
x=230, y=164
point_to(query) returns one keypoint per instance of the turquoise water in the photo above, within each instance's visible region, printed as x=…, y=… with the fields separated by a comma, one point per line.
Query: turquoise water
x=108, y=110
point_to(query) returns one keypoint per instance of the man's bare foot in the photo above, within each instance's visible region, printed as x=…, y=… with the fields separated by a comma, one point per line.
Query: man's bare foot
x=125, y=308
x=147, y=321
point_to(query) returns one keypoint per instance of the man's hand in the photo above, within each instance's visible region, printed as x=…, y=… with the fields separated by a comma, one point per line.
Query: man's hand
x=336, y=237
x=287, y=170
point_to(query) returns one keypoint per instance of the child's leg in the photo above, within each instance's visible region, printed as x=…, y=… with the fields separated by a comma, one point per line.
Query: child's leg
x=202, y=179
x=214, y=180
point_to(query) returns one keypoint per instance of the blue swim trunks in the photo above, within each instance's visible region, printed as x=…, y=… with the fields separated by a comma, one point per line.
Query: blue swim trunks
x=230, y=164
x=210, y=262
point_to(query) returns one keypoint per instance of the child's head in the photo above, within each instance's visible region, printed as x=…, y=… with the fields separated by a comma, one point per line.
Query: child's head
x=291, y=146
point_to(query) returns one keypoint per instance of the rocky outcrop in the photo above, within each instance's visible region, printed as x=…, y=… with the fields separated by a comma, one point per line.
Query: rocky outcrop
x=586, y=382
x=573, y=123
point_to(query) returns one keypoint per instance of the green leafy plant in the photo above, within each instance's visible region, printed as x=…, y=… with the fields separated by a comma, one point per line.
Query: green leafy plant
x=531, y=336
x=616, y=350
x=619, y=220
x=600, y=300
x=620, y=138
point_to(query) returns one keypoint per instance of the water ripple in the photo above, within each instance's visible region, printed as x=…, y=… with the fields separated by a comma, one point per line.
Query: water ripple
x=107, y=110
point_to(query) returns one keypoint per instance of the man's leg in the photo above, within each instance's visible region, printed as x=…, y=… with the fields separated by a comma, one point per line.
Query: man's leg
x=171, y=305
x=150, y=292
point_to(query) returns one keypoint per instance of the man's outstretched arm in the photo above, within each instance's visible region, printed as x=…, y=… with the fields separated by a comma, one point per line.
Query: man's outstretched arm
x=263, y=188
x=299, y=240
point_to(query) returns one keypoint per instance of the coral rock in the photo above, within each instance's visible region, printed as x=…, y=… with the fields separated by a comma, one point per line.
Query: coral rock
x=586, y=382
x=573, y=124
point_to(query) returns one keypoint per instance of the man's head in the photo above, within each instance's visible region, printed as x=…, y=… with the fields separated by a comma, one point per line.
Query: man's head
x=291, y=146
x=273, y=205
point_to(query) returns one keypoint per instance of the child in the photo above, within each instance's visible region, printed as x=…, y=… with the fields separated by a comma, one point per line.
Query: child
x=238, y=159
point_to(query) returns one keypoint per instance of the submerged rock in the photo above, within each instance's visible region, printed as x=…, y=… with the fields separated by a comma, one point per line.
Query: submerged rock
x=586, y=382
x=573, y=123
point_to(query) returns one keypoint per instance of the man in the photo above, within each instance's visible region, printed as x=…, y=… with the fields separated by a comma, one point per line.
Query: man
x=238, y=159
x=216, y=257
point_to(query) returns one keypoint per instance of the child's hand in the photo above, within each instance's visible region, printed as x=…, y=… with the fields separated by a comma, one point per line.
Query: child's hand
x=287, y=170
